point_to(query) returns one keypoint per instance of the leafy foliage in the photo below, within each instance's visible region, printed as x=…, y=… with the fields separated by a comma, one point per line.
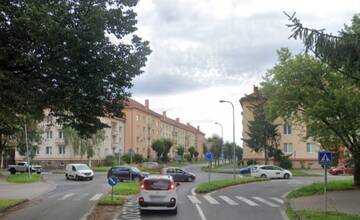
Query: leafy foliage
x=58, y=55
x=180, y=150
x=162, y=149
x=136, y=158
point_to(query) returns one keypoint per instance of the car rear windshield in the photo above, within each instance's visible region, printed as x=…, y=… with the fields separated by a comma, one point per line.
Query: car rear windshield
x=157, y=184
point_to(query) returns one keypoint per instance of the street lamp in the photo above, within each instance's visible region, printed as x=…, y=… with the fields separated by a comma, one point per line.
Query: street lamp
x=222, y=139
x=234, y=162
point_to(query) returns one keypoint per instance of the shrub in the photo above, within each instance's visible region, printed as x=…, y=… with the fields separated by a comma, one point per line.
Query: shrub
x=286, y=163
x=250, y=162
x=136, y=158
x=109, y=161
x=187, y=157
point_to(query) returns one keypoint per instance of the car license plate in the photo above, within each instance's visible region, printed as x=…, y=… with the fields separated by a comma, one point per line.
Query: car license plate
x=157, y=198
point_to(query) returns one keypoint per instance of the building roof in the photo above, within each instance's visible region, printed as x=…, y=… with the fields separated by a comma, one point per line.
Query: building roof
x=255, y=95
x=131, y=103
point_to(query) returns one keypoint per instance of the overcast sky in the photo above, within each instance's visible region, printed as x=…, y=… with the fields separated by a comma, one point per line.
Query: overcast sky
x=207, y=50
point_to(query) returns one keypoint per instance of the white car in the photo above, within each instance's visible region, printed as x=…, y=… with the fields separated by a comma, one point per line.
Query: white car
x=270, y=171
x=78, y=172
x=158, y=193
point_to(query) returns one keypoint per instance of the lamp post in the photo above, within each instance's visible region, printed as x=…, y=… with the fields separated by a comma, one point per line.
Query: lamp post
x=234, y=162
x=222, y=139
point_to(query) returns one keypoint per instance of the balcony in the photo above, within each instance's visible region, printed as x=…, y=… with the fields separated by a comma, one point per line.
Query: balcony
x=114, y=132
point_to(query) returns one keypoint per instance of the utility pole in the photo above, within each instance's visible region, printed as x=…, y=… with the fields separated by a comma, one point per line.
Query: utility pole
x=234, y=158
x=222, y=139
x=27, y=147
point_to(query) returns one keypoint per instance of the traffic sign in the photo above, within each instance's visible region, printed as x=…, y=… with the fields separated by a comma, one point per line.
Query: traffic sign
x=113, y=180
x=325, y=158
x=209, y=156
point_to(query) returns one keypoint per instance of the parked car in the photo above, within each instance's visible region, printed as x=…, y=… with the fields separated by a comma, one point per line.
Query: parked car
x=78, y=172
x=127, y=173
x=341, y=170
x=24, y=167
x=158, y=193
x=246, y=170
x=178, y=174
x=150, y=165
x=270, y=171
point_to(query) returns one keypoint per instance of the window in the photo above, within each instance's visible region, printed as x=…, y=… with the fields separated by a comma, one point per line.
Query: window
x=38, y=150
x=310, y=147
x=61, y=149
x=288, y=148
x=137, y=117
x=49, y=134
x=49, y=119
x=61, y=134
x=48, y=150
x=287, y=128
x=120, y=129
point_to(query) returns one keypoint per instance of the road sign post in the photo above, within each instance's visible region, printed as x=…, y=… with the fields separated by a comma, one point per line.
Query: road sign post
x=113, y=180
x=209, y=156
x=325, y=159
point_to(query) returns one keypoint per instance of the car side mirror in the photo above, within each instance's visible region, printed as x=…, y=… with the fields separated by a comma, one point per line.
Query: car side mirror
x=177, y=184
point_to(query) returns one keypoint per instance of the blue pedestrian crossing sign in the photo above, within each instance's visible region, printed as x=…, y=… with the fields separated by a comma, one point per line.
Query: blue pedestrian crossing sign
x=209, y=156
x=325, y=158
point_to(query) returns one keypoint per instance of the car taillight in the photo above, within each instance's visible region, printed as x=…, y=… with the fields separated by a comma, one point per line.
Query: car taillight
x=172, y=186
x=142, y=186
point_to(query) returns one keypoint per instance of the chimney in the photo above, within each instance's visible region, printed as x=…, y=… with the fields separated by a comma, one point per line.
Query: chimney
x=198, y=127
x=256, y=90
x=147, y=103
x=188, y=124
x=164, y=114
x=178, y=120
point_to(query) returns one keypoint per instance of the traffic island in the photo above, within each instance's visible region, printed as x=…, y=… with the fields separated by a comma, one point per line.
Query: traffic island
x=308, y=202
x=24, y=178
x=219, y=184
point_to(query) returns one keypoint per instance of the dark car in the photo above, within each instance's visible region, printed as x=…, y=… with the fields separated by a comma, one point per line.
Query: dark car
x=127, y=173
x=245, y=170
x=178, y=174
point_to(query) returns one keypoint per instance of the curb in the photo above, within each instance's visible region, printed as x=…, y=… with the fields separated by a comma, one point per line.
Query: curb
x=3, y=210
x=284, y=207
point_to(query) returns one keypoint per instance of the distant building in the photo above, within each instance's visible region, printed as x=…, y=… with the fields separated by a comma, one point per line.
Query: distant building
x=304, y=153
x=53, y=152
x=144, y=126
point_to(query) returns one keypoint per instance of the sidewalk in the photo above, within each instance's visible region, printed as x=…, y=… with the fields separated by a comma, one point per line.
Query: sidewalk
x=339, y=201
x=23, y=191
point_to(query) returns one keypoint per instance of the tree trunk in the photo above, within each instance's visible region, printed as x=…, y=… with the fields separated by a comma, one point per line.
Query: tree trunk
x=356, y=159
x=266, y=155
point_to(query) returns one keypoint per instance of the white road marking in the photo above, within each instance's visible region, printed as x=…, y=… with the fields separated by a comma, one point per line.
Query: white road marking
x=194, y=199
x=277, y=200
x=201, y=213
x=211, y=200
x=228, y=200
x=78, y=198
x=66, y=196
x=247, y=201
x=193, y=192
x=265, y=201
x=96, y=197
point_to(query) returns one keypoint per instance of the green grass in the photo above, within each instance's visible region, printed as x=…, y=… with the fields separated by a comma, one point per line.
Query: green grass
x=318, y=188
x=108, y=200
x=6, y=203
x=216, y=170
x=218, y=184
x=24, y=178
x=100, y=169
x=127, y=188
x=296, y=172
x=315, y=215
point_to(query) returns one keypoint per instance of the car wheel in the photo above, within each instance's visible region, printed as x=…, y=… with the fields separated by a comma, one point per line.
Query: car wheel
x=286, y=176
x=137, y=179
x=12, y=171
x=174, y=212
x=189, y=179
x=142, y=211
x=77, y=178
x=263, y=176
x=67, y=177
x=91, y=178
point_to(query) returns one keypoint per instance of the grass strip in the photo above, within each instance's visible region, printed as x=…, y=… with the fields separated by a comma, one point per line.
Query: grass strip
x=318, y=188
x=24, y=178
x=127, y=188
x=108, y=200
x=218, y=184
x=316, y=215
x=8, y=203
x=296, y=172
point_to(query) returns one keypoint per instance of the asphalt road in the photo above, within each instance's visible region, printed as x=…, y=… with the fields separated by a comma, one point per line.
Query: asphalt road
x=71, y=200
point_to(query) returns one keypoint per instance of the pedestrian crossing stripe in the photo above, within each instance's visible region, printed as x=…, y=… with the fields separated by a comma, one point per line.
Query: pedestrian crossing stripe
x=247, y=201
x=228, y=200
x=265, y=201
x=211, y=200
x=194, y=200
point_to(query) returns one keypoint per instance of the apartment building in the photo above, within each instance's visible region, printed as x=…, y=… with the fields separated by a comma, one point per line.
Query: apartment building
x=303, y=153
x=144, y=126
x=54, y=152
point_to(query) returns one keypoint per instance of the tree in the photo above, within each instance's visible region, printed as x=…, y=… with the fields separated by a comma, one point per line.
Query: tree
x=339, y=52
x=215, y=146
x=310, y=93
x=192, y=151
x=33, y=136
x=196, y=154
x=83, y=145
x=180, y=151
x=58, y=55
x=162, y=148
x=262, y=134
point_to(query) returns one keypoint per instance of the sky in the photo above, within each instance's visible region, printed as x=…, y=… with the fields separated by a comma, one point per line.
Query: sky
x=208, y=50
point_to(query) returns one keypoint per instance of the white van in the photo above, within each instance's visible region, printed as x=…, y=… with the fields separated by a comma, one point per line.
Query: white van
x=78, y=172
